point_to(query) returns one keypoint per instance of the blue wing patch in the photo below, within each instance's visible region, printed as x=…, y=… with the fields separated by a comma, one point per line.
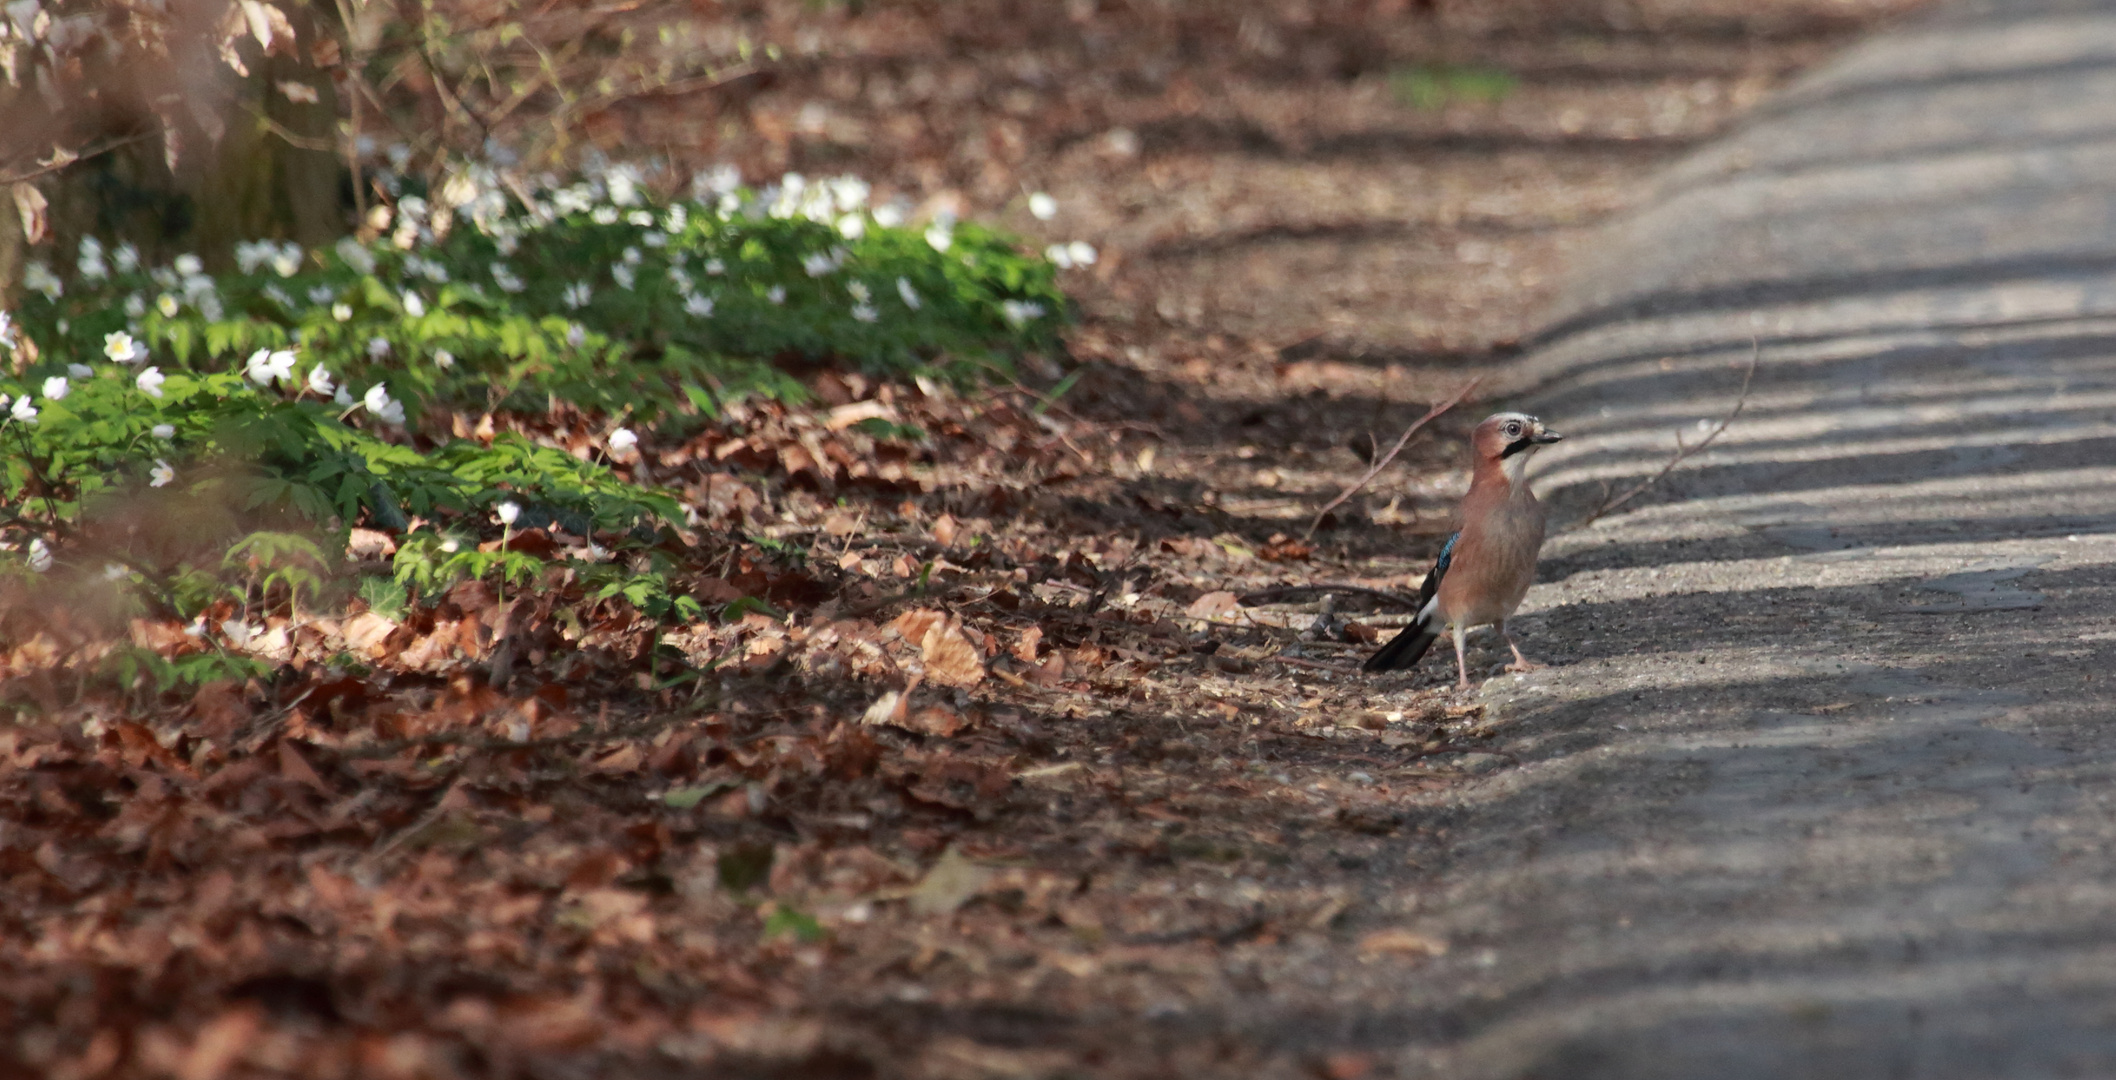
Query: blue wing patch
x=1432, y=579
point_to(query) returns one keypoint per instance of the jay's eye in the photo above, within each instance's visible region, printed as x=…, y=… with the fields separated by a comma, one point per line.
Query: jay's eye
x=1513, y=430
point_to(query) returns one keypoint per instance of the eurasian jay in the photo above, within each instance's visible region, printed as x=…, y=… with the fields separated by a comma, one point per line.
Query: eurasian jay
x=1488, y=564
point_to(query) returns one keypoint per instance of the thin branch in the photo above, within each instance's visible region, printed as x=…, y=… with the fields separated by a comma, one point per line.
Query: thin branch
x=95, y=153
x=1281, y=593
x=1682, y=450
x=1401, y=441
x=293, y=138
x=1316, y=665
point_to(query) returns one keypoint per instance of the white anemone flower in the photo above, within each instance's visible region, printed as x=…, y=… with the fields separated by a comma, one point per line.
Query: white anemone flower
x=80, y=371
x=55, y=388
x=378, y=401
x=910, y=295
x=24, y=410
x=1042, y=206
x=342, y=312
x=161, y=475
x=286, y=262
x=1082, y=252
x=623, y=441
x=267, y=366
x=578, y=294
x=508, y=512
x=38, y=277
x=940, y=237
x=189, y=265
x=377, y=348
x=1019, y=313
x=150, y=382
x=699, y=305
x=414, y=305
x=623, y=275
x=39, y=555
x=320, y=381
x=776, y=294
x=444, y=359
x=865, y=313
x=163, y=431
x=120, y=347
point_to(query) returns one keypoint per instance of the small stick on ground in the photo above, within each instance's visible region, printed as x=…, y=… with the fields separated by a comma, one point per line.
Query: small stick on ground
x=1281, y=593
x=1383, y=462
x=1682, y=450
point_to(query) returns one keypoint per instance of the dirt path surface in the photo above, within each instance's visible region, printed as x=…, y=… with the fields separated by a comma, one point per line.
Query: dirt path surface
x=1011, y=785
x=1822, y=788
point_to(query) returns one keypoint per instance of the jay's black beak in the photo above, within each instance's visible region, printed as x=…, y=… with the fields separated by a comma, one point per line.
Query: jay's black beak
x=1546, y=437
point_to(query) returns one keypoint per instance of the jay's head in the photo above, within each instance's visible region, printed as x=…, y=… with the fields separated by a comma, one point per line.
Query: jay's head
x=1510, y=437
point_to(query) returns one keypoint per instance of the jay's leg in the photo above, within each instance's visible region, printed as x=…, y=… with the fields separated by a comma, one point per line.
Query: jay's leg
x=1461, y=664
x=1521, y=663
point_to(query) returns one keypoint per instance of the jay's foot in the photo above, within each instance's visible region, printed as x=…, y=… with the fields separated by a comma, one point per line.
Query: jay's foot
x=1521, y=663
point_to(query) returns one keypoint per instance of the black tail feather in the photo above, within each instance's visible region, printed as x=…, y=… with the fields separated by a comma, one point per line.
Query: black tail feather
x=1404, y=650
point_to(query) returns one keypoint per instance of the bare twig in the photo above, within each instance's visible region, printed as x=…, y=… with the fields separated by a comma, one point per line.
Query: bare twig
x=1383, y=461
x=1317, y=665
x=1281, y=593
x=84, y=155
x=1682, y=450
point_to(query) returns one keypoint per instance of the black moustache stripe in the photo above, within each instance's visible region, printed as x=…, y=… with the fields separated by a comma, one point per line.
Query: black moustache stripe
x=1516, y=447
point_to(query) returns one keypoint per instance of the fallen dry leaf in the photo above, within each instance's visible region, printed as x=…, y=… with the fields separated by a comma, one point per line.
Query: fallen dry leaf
x=890, y=708
x=952, y=882
x=936, y=720
x=365, y=632
x=950, y=658
x=1213, y=605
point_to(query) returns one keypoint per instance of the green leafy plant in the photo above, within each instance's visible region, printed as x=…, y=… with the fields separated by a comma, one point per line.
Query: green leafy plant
x=258, y=417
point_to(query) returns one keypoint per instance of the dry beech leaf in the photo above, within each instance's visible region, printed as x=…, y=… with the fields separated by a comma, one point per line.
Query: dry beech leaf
x=936, y=720
x=370, y=544
x=1213, y=605
x=950, y=658
x=1049, y=673
x=912, y=625
x=1025, y=650
x=890, y=708
x=366, y=631
x=30, y=204
x=953, y=882
x=219, y=708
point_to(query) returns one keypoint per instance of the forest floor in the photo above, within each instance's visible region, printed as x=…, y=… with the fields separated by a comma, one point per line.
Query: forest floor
x=1016, y=787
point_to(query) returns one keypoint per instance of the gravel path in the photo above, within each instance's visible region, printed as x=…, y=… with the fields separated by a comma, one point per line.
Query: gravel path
x=1822, y=784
